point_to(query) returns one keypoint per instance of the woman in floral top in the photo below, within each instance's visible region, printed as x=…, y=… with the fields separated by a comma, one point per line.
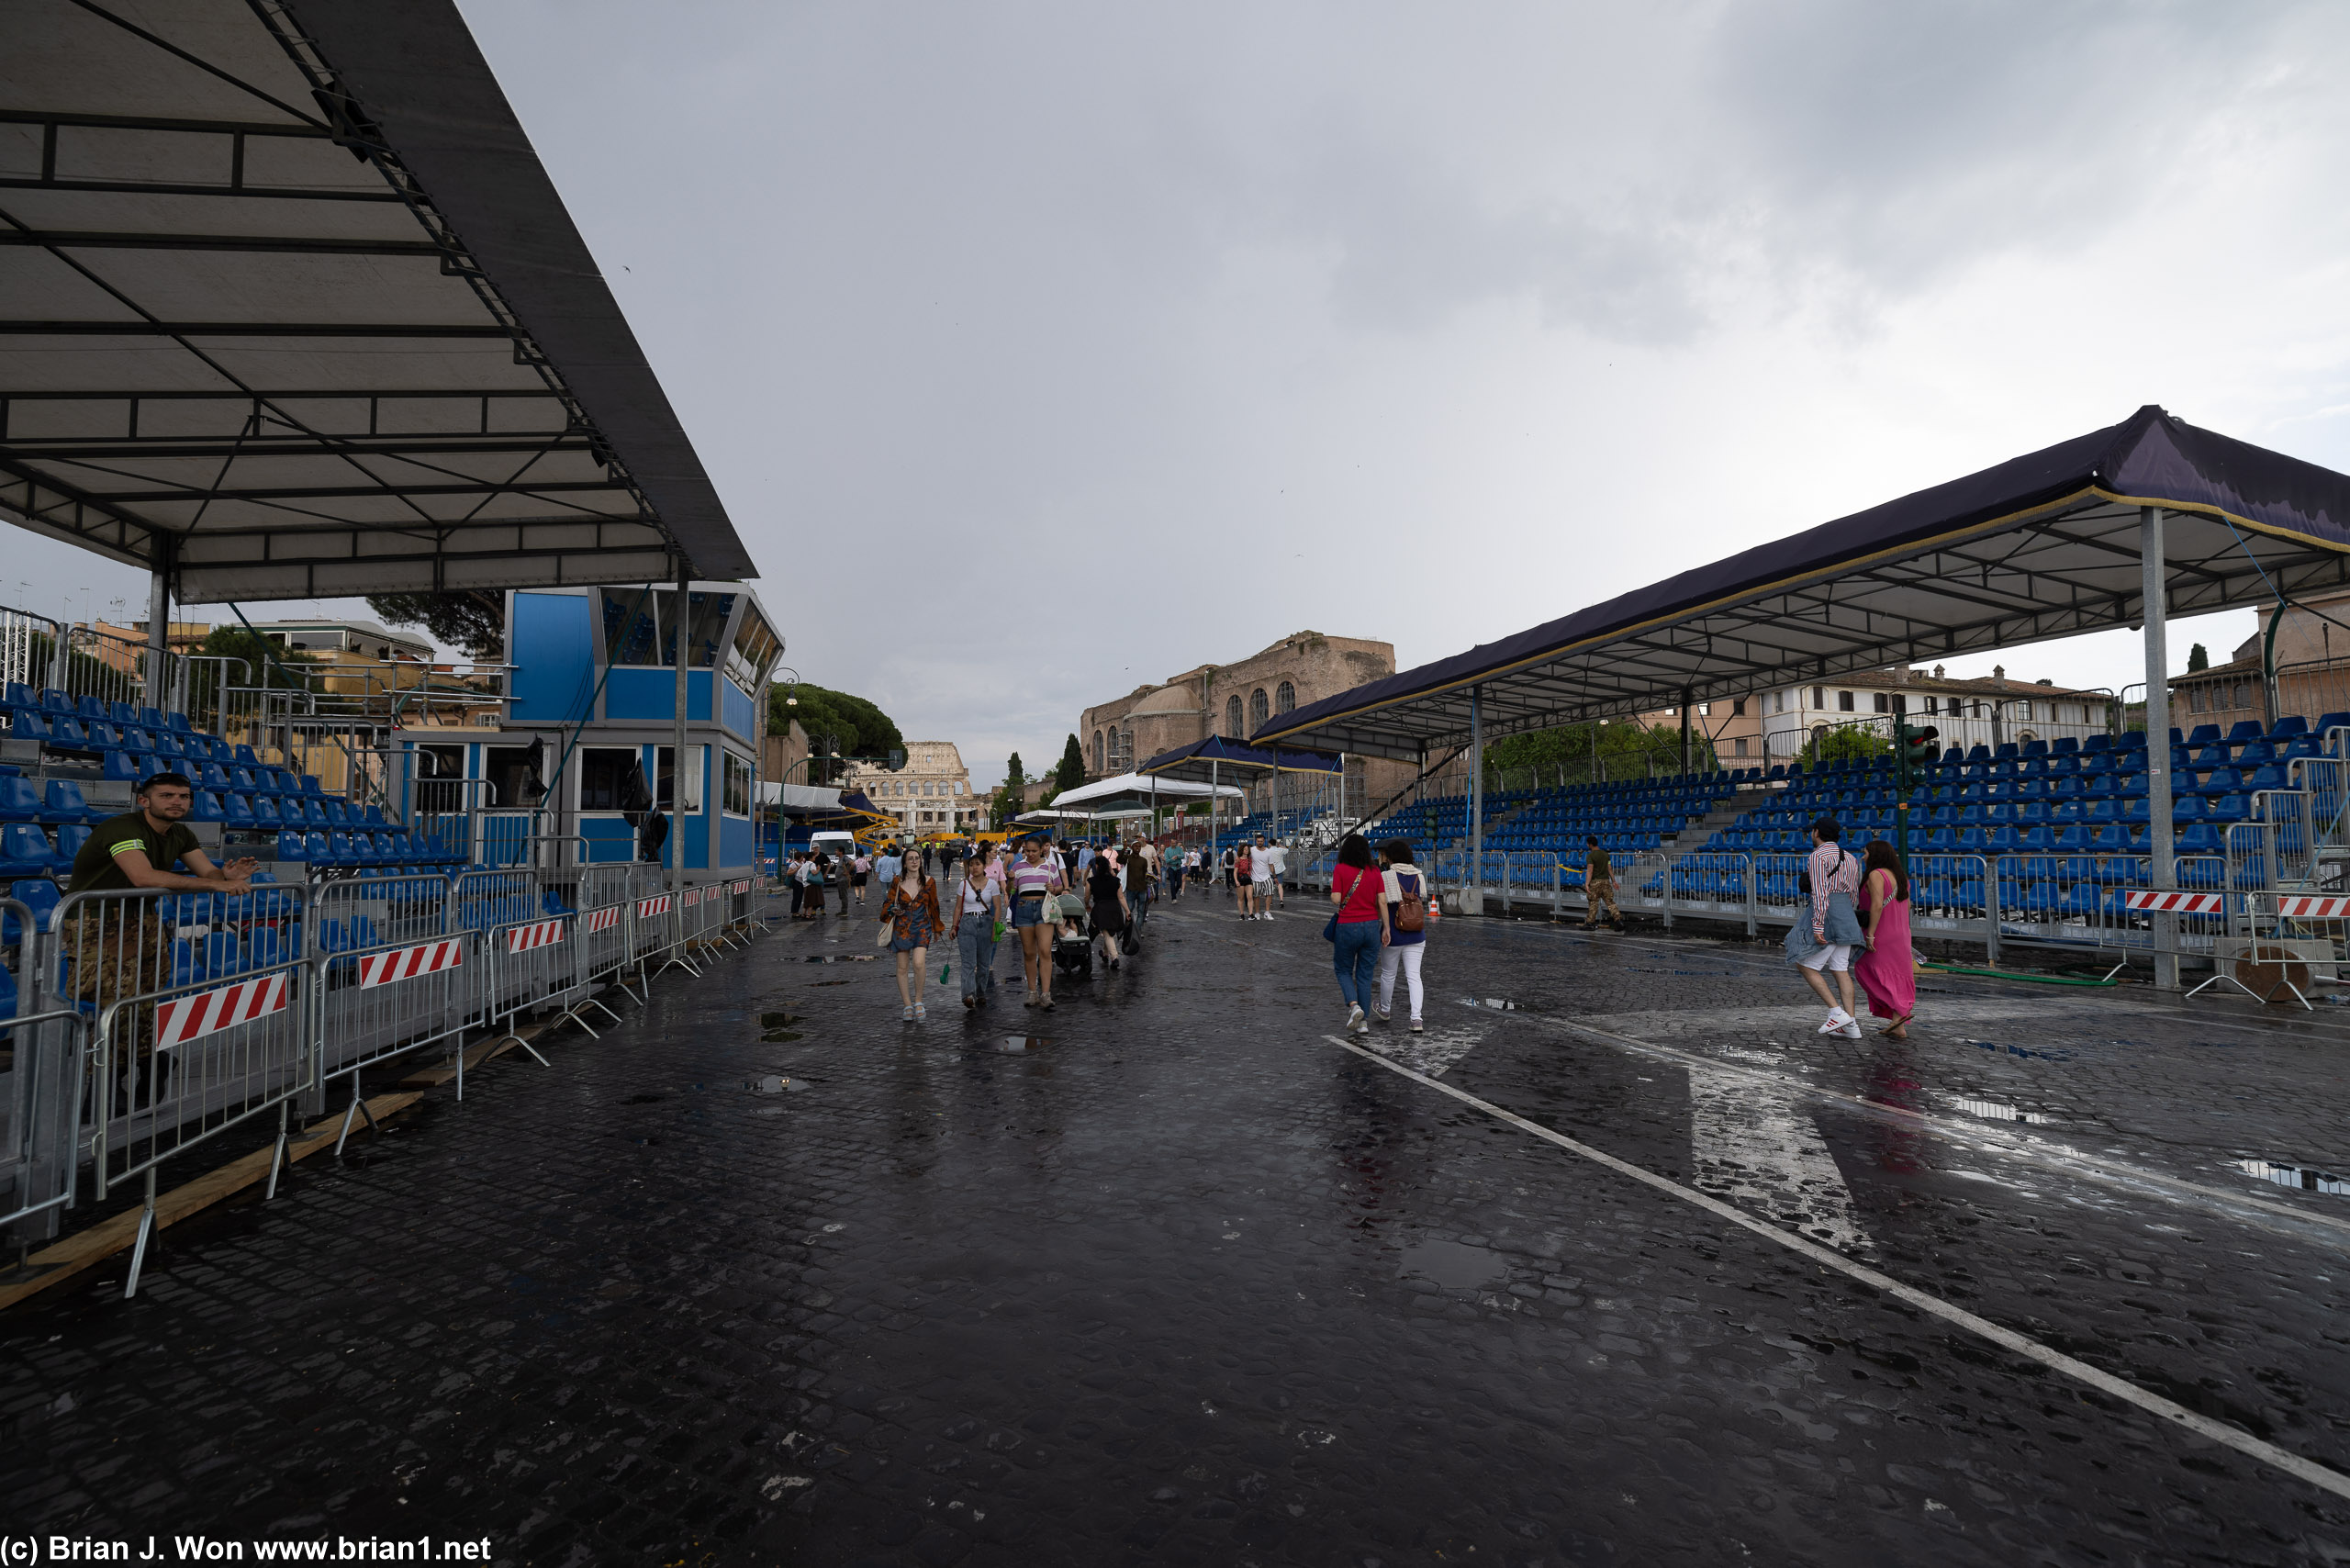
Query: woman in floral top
x=910, y=911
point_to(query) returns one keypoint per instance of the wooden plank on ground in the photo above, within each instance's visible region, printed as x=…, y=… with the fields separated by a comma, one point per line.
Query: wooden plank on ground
x=103, y=1241
x=434, y=1077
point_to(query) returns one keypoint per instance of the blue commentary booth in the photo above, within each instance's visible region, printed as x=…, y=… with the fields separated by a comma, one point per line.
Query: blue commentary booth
x=586, y=750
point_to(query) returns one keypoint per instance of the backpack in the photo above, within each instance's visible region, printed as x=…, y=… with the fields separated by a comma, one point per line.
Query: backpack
x=1412, y=910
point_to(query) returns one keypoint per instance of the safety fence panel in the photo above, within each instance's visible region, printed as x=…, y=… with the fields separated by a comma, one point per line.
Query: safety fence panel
x=486, y=902
x=653, y=913
x=603, y=928
x=2286, y=945
x=198, y=1008
x=379, y=1001
x=201, y=1007
x=367, y=911
x=39, y=1089
x=532, y=963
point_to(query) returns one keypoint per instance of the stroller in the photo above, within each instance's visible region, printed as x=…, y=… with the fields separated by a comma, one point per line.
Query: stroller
x=1073, y=955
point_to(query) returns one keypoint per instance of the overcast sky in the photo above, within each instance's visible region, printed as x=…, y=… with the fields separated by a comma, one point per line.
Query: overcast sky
x=1167, y=331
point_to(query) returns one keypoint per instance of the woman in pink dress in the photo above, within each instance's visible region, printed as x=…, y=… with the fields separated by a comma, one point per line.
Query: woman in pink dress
x=1888, y=971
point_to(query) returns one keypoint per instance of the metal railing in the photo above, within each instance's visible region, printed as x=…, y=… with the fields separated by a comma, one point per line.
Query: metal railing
x=150, y=1022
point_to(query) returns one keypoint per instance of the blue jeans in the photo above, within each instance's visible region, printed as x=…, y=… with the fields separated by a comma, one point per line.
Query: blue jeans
x=975, y=945
x=1355, y=955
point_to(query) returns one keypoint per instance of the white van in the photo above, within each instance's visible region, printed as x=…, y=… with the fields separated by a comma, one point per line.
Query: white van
x=833, y=841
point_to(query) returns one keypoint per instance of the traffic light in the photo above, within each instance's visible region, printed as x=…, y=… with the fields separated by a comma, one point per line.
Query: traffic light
x=1913, y=753
x=1915, y=749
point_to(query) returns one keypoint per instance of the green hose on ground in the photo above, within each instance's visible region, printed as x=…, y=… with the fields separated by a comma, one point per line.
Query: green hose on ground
x=2012, y=975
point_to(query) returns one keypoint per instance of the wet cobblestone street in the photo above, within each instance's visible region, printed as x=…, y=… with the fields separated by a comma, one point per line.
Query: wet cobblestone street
x=1169, y=1275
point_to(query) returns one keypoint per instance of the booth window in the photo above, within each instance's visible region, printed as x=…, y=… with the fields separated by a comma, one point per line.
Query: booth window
x=604, y=775
x=737, y=800
x=664, y=793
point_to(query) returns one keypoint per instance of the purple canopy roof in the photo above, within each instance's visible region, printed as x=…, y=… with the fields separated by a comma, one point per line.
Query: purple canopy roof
x=2043, y=546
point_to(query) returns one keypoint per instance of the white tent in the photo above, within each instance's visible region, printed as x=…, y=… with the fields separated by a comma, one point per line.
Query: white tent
x=1142, y=788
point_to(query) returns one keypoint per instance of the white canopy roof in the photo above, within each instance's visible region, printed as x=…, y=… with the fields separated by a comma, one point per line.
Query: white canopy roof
x=292, y=310
x=1142, y=786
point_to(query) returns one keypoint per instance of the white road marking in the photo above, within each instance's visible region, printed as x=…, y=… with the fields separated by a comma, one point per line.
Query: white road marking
x=2255, y=1448
x=1993, y=1138
x=1753, y=1144
x=1430, y=1053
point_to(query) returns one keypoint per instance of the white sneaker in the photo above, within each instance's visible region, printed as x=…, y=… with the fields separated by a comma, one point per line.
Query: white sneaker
x=1354, y=1020
x=1851, y=1029
x=1837, y=1019
x=1380, y=1013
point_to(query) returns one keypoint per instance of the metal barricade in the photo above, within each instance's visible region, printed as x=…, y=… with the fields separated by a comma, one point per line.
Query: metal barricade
x=39, y=1092
x=602, y=901
x=532, y=963
x=202, y=1014
x=2286, y=943
x=486, y=901
x=388, y=962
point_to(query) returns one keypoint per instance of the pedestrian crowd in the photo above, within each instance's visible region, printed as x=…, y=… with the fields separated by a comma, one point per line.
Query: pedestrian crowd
x=1072, y=905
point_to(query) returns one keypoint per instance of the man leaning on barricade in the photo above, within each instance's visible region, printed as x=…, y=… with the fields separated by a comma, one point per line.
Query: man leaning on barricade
x=120, y=948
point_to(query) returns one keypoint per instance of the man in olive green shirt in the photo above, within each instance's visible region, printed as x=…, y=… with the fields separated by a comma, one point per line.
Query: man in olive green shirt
x=1598, y=885
x=120, y=948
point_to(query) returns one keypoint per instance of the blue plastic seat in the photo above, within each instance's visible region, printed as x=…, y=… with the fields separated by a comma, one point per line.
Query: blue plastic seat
x=2225, y=808
x=63, y=802
x=25, y=851
x=223, y=954
x=177, y=723
x=2254, y=754
x=245, y=757
x=236, y=811
x=2269, y=776
x=37, y=894
x=291, y=845
x=316, y=850
x=2187, y=809
x=265, y=814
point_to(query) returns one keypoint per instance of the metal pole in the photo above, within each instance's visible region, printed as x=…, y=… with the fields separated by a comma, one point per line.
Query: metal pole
x=1685, y=729
x=2164, y=870
x=1477, y=791
x=678, y=767
x=159, y=610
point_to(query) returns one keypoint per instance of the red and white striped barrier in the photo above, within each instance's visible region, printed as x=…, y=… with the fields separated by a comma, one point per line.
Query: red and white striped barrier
x=2160, y=903
x=743, y=887
x=189, y=1018
x=647, y=908
x=2313, y=908
x=407, y=963
x=693, y=896
x=602, y=919
x=538, y=934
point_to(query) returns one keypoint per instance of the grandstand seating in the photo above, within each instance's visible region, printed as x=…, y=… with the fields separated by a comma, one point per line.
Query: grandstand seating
x=95, y=742
x=2062, y=826
x=1625, y=816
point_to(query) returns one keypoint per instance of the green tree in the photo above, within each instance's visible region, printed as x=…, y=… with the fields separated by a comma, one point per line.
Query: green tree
x=1007, y=803
x=1625, y=750
x=2197, y=657
x=854, y=727
x=1072, y=771
x=474, y=621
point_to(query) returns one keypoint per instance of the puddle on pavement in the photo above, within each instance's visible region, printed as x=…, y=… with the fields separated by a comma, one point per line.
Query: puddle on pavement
x=771, y=1083
x=642, y=1098
x=2025, y=1051
x=828, y=983
x=2300, y=1176
x=1992, y=1110
x=1454, y=1265
x=838, y=959
x=1495, y=1004
x=778, y=1020
x=1020, y=1044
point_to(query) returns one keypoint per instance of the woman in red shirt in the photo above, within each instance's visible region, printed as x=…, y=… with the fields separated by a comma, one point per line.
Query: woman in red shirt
x=1359, y=928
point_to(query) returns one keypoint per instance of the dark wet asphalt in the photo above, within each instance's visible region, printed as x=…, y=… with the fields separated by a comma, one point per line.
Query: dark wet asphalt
x=1185, y=1282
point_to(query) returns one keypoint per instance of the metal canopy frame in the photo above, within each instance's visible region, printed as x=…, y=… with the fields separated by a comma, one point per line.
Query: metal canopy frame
x=292, y=310
x=1201, y=762
x=2057, y=568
